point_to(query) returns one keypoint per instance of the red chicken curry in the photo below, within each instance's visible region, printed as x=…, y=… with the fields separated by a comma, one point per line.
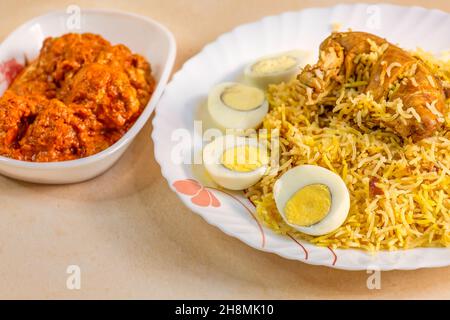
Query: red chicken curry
x=76, y=99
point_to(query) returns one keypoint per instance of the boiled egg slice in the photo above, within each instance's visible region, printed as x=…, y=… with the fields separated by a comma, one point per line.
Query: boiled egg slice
x=235, y=162
x=233, y=105
x=312, y=199
x=277, y=68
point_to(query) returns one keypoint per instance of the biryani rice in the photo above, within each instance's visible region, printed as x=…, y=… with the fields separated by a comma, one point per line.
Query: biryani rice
x=399, y=189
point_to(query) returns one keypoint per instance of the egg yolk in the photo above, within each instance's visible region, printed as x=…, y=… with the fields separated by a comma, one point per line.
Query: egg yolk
x=273, y=65
x=309, y=205
x=243, y=158
x=243, y=98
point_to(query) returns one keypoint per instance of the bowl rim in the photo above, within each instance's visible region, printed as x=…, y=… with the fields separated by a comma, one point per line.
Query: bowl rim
x=141, y=120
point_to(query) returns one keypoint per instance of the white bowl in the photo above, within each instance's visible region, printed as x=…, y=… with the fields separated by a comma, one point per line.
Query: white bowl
x=142, y=35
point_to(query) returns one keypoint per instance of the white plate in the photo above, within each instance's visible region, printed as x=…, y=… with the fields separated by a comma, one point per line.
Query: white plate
x=224, y=59
x=142, y=35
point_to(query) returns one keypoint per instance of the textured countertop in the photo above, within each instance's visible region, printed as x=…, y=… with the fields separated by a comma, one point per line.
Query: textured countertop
x=127, y=231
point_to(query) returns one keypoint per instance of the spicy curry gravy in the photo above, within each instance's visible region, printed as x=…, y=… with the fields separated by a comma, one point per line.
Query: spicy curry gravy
x=76, y=99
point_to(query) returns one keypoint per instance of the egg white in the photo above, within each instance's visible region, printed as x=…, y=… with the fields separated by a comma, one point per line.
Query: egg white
x=229, y=179
x=296, y=178
x=263, y=80
x=226, y=117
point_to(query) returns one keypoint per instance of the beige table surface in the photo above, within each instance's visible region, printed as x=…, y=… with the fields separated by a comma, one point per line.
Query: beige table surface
x=131, y=236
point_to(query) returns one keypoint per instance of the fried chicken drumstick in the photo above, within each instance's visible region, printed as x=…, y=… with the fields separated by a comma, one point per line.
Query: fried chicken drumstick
x=387, y=72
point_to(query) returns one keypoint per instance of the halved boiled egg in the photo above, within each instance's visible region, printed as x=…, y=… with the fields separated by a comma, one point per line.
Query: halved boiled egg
x=277, y=68
x=312, y=199
x=235, y=162
x=235, y=105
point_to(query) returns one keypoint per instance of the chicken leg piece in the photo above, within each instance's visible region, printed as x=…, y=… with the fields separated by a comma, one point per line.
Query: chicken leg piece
x=390, y=73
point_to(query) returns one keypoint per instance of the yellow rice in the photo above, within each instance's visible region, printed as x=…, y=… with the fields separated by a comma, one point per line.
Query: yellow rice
x=414, y=207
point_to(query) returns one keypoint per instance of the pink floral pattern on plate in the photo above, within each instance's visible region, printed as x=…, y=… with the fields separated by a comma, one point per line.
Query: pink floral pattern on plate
x=199, y=194
x=203, y=197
